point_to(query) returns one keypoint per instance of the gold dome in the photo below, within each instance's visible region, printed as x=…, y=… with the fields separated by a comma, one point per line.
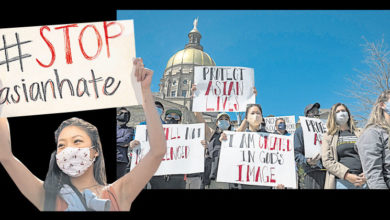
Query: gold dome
x=190, y=56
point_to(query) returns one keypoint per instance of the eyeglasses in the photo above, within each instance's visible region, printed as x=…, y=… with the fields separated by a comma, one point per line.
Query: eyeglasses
x=175, y=117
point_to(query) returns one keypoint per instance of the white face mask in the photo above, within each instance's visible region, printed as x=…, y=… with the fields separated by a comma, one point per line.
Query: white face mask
x=74, y=161
x=254, y=118
x=342, y=118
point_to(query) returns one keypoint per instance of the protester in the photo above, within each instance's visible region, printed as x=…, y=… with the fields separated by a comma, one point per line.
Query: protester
x=339, y=152
x=373, y=145
x=77, y=182
x=280, y=127
x=213, y=150
x=314, y=171
x=253, y=122
x=212, y=145
x=124, y=135
x=176, y=181
x=160, y=111
x=133, y=143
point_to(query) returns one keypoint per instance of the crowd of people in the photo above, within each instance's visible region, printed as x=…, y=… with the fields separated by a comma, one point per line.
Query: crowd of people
x=350, y=157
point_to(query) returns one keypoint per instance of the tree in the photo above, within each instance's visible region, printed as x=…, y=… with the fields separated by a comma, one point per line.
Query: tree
x=367, y=85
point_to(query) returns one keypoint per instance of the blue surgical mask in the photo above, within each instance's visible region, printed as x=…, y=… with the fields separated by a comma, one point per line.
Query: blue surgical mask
x=282, y=126
x=159, y=111
x=223, y=124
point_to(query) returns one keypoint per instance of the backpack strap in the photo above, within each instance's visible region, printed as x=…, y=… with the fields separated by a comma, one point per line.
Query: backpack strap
x=81, y=197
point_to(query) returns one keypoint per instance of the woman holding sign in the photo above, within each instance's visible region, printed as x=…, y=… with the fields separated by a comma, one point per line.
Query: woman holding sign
x=76, y=179
x=374, y=146
x=213, y=146
x=253, y=122
x=338, y=151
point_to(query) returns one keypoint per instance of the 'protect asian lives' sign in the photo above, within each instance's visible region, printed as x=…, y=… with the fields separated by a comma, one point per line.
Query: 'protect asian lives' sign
x=223, y=89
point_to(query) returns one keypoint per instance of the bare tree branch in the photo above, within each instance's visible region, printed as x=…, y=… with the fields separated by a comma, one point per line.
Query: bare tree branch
x=366, y=86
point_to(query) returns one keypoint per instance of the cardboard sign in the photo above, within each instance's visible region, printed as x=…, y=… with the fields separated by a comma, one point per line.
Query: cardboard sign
x=290, y=123
x=313, y=129
x=185, y=153
x=256, y=158
x=65, y=68
x=223, y=89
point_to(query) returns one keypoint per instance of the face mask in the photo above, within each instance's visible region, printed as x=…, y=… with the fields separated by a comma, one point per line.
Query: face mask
x=223, y=124
x=159, y=111
x=74, y=161
x=123, y=117
x=254, y=118
x=282, y=126
x=172, y=121
x=342, y=118
x=387, y=108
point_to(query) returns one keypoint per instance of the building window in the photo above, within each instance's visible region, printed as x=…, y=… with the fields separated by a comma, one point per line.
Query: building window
x=184, y=93
x=174, y=82
x=185, y=81
x=173, y=93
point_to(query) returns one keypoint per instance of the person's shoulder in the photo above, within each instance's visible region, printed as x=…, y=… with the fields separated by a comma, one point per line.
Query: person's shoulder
x=298, y=131
x=373, y=130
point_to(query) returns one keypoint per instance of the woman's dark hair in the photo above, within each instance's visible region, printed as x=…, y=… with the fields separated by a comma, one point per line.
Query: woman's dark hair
x=250, y=106
x=55, y=178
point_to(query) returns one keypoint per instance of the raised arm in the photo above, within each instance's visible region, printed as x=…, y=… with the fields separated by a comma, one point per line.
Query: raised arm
x=131, y=184
x=199, y=117
x=28, y=184
x=243, y=125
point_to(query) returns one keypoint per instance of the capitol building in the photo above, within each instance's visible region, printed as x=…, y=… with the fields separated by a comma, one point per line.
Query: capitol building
x=178, y=77
x=175, y=84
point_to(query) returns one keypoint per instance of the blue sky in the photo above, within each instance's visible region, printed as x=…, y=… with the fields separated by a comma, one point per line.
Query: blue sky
x=299, y=56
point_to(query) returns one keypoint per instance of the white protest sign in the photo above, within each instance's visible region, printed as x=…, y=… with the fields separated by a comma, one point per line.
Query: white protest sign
x=255, y=158
x=313, y=129
x=66, y=68
x=223, y=88
x=185, y=153
x=290, y=123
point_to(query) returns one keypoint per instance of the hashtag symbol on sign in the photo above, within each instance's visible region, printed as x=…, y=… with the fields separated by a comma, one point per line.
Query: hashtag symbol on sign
x=19, y=58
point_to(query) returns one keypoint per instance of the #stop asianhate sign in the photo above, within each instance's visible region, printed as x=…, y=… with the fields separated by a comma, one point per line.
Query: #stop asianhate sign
x=64, y=68
x=223, y=89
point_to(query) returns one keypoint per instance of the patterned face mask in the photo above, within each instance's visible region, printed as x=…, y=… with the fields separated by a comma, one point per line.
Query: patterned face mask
x=74, y=161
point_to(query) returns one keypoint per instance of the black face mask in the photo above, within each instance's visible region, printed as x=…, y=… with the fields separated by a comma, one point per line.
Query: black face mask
x=172, y=121
x=123, y=117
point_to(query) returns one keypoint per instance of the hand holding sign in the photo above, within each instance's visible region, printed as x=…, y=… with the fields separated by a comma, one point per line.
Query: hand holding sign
x=193, y=89
x=313, y=161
